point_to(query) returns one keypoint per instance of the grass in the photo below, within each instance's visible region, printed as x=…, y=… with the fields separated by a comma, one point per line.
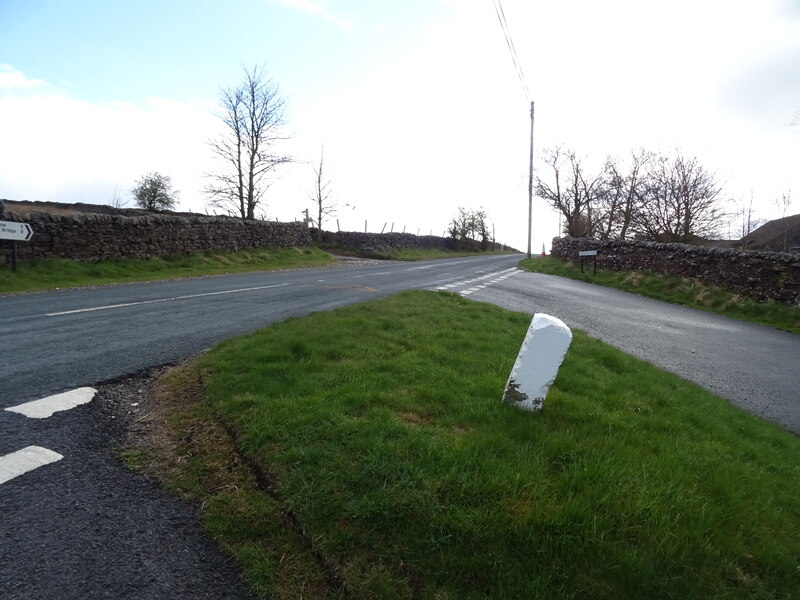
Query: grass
x=687, y=292
x=181, y=444
x=381, y=434
x=44, y=274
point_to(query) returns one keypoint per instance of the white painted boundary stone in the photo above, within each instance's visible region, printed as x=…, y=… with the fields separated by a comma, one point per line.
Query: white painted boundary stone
x=20, y=462
x=539, y=358
x=41, y=409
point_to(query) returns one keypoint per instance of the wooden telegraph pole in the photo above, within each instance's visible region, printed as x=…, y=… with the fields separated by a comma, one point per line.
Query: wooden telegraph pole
x=530, y=187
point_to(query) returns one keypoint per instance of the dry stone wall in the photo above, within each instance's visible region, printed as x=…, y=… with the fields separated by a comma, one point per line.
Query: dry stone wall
x=759, y=275
x=95, y=236
x=92, y=232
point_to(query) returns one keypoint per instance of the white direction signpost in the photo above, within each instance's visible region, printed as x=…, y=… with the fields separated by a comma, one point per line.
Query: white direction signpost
x=16, y=232
x=11, y=230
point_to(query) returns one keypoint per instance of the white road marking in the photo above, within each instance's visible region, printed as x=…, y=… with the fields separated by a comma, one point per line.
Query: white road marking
x=20, y=462
x=436, y=265
x=81, y=310
x=41, y=409
x=498, y=277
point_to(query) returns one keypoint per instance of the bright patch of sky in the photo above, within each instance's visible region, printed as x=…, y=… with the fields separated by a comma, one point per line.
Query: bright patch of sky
x=416, y=102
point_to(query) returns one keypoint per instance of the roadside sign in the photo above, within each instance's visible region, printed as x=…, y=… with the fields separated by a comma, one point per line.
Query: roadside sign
x=11, y=230
x=588, y=254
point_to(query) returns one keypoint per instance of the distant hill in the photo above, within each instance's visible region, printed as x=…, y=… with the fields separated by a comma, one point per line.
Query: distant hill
x=23, y=207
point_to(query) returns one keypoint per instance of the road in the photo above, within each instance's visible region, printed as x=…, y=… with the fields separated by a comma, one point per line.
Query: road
x=85, y=527
x=756, y=368
x=70, y=338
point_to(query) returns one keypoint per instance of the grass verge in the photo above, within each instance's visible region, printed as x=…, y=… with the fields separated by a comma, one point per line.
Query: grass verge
x=53, y=273
x=687, y=292
x=180, y=443
x=381, y=433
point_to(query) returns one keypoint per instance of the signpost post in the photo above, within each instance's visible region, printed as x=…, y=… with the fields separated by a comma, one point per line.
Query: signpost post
x=11, y=230
x=593, y=253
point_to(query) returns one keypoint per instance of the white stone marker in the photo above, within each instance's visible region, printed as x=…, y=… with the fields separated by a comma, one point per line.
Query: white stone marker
x=539, y=358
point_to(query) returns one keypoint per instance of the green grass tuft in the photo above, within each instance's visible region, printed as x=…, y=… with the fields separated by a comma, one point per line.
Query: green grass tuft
x=381, y=428
x=677, y=290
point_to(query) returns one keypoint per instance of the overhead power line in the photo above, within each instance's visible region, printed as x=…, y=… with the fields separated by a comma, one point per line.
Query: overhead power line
x=501, y=17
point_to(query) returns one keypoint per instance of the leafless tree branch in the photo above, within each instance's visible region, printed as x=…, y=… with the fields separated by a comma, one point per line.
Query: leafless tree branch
x=254, y=114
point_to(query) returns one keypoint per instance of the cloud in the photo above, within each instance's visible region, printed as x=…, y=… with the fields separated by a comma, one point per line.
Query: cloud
x=317, y=10
x=12, y=79
x=67, y=150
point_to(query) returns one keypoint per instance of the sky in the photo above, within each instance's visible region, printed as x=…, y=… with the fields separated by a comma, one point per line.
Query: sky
x=417, y=103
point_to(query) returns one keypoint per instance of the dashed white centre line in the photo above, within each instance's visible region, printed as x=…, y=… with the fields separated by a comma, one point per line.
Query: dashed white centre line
x=41, y=409
x=81, y=310
x=20, y=462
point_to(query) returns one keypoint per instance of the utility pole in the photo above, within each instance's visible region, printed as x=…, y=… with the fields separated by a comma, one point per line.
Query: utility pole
x=530, y=187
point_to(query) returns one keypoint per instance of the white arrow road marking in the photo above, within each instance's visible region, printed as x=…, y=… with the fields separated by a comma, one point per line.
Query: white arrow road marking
x=80, y=310
x=41, y=409
x=20, y=462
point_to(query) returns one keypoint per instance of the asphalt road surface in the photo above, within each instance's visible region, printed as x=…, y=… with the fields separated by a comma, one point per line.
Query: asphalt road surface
x=85, y=527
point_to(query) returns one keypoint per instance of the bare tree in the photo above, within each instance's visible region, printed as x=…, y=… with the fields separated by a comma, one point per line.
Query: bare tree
x=680, y=201
x=254, y=114
x=460, y=227
x=784, y=203
x=480, y=221
x=657, y=197
x=619, y=192
x=471, y=225
x=570, y=191
x=154, y=192
x=747, y=221
x=117, y=201
x=322, y=195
